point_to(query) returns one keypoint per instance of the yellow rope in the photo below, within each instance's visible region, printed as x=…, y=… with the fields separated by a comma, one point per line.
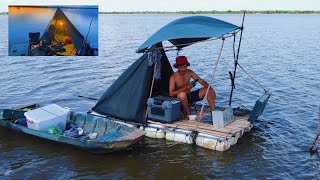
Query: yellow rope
x=209, y=85
x=265, y=89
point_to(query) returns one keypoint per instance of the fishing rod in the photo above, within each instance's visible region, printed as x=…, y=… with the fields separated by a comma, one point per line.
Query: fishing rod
x=87, y=35
x=94, y=99
x=83, y=40
x=236, y=61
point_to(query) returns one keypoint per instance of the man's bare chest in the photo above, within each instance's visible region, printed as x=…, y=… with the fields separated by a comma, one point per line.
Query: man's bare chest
x=182, y=81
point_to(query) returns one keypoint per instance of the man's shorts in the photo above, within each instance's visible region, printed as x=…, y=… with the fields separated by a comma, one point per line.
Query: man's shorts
x=193, y=96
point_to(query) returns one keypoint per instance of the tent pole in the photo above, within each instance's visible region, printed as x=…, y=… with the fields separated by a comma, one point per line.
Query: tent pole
x=209, y=85
x=151, y=88
x=154, y=72
x=236, y=60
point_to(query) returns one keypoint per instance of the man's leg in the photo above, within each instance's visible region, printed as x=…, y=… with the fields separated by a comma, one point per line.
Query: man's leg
x=211, y=96
x=184, y=102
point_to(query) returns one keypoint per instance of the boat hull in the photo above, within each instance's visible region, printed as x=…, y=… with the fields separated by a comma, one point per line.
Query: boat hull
x=106, y=143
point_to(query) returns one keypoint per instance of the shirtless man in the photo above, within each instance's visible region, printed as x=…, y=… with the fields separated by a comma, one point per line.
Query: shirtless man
x=180, y=86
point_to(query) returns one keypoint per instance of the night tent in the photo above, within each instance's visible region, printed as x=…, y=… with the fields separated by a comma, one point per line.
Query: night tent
x=126, y=98
x=64, y=28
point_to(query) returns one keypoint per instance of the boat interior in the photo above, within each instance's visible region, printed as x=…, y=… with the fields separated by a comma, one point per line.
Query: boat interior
x=58, y=47
x=104, y=127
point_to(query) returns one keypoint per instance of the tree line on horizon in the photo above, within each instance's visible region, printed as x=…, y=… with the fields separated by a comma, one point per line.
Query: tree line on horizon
x=215, y=12
x=220, y=12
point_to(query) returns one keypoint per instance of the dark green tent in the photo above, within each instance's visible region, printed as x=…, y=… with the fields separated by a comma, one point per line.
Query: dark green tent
x=64, y=28
x=126, y=98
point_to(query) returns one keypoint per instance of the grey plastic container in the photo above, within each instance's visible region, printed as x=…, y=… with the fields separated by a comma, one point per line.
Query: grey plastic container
x=223, y=117
x=164, y=109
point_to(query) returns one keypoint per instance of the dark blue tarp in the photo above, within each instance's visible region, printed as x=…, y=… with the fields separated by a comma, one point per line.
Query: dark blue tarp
x=126, y=98
x=189, y=29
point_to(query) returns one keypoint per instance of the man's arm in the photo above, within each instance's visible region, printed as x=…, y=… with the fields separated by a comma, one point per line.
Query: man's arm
x=201, y=81
x=172, y=88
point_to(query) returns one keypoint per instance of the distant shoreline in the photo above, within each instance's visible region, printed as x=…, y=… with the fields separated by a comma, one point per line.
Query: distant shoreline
x=211, y=12
x=218, y=12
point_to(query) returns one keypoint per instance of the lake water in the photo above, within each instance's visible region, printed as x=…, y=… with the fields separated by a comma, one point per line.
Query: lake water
x=281, y=51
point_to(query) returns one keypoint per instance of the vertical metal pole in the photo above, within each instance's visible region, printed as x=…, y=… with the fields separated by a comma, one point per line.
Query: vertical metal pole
x=236, y=62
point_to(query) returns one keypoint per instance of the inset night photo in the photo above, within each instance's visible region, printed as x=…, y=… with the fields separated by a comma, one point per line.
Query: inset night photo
x=53, y=30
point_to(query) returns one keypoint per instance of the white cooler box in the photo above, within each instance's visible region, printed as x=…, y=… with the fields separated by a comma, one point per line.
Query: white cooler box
x=42, y=118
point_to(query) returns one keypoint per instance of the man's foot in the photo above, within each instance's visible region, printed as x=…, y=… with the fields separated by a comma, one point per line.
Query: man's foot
x=186, y=116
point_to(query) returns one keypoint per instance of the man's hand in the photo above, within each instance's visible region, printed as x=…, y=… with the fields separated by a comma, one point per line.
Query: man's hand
x=201, y=81
x=188, y=88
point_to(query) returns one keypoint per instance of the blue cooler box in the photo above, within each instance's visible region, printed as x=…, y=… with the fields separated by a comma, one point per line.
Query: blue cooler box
x=164, y=108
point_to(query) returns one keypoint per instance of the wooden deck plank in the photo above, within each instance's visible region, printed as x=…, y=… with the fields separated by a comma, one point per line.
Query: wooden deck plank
x=234, y=125
x=226, y=132
x=212, y=128
x=238, y=124
x=217, y=133
x=221, y=132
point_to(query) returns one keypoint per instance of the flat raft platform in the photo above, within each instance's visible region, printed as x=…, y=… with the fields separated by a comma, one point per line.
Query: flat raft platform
x=208, y=135
x=202, y=134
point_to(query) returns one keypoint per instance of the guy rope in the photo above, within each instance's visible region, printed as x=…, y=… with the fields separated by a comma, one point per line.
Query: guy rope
x=209, y=85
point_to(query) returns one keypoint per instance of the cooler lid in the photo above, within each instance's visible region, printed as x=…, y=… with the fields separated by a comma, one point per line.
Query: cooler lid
x=164, y=98
x=45, y=113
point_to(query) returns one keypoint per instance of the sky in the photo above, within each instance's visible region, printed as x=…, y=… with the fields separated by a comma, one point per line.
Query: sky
x=176, y=5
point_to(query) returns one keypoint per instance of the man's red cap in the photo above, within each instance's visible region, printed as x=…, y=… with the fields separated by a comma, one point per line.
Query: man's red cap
x=181, y=60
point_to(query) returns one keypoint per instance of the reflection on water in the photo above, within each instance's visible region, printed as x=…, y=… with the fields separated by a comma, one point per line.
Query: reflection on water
x=281, y=51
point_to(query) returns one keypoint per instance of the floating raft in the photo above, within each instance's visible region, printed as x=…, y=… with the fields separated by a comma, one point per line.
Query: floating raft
x=204, y=135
